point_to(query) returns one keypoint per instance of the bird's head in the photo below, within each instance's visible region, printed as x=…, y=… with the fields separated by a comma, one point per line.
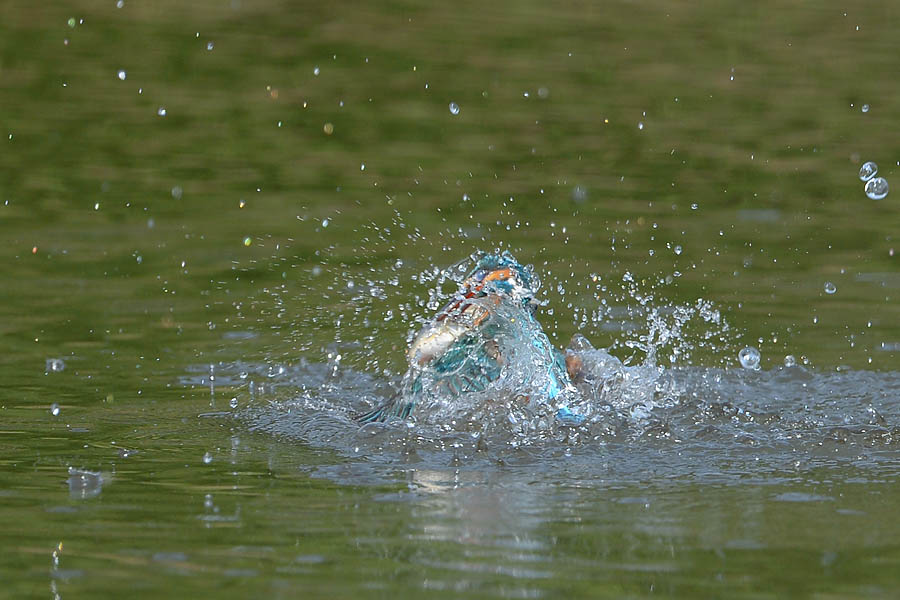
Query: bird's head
x=501, y=274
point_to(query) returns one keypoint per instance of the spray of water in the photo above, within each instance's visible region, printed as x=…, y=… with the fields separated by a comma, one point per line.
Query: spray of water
x=353, y=359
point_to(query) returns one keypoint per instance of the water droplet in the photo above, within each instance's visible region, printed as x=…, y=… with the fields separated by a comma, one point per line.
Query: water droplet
x=242, y=203
x=328, y=128
x=543, y=92
x=678, y=249
x=54, y=365
x=877, y=188
x=161, y=111
x=579, y=194
x=54, y=409
x=120, y=3
x=207, y=458
x=454, y=108
x=316, y=71
x=867, y=171
x=749, y=358
x=177, y=192
x=248, y=241
x=830, y=288
x=640, y=125
x=233, y=403
x=324, y=222
x=71, y=22
x=122, y=75
x=790, y=361
x=210, y=46
x=865, y=108
x=362, y=167
x=96, y=206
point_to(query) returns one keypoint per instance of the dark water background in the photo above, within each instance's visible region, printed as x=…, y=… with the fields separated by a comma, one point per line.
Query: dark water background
x=282, y=225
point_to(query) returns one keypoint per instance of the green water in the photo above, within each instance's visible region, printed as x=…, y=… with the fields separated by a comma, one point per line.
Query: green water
x=140, y=248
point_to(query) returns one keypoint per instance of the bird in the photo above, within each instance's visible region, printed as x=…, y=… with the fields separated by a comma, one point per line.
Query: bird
x=487, y=334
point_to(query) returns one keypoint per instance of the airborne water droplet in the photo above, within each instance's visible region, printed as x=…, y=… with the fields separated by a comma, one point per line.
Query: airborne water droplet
x=877, y=188
x=454, y=108
x=54, y=409
x=830, y=288
x=54, y=365
x=579, y=194
x=122, y=75
x=868, y=170
x=749, y=358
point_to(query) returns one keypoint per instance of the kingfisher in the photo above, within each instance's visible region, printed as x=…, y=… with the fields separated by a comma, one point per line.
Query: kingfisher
x=486, y=334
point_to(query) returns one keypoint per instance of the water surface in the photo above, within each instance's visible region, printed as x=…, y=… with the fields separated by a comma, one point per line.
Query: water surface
x=223, y=221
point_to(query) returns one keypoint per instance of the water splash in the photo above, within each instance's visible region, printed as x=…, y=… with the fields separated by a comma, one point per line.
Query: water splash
x=661, y=381
x=85, y=484
x=618, y=390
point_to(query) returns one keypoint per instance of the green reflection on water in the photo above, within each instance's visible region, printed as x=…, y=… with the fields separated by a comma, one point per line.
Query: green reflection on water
x=550, y=98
